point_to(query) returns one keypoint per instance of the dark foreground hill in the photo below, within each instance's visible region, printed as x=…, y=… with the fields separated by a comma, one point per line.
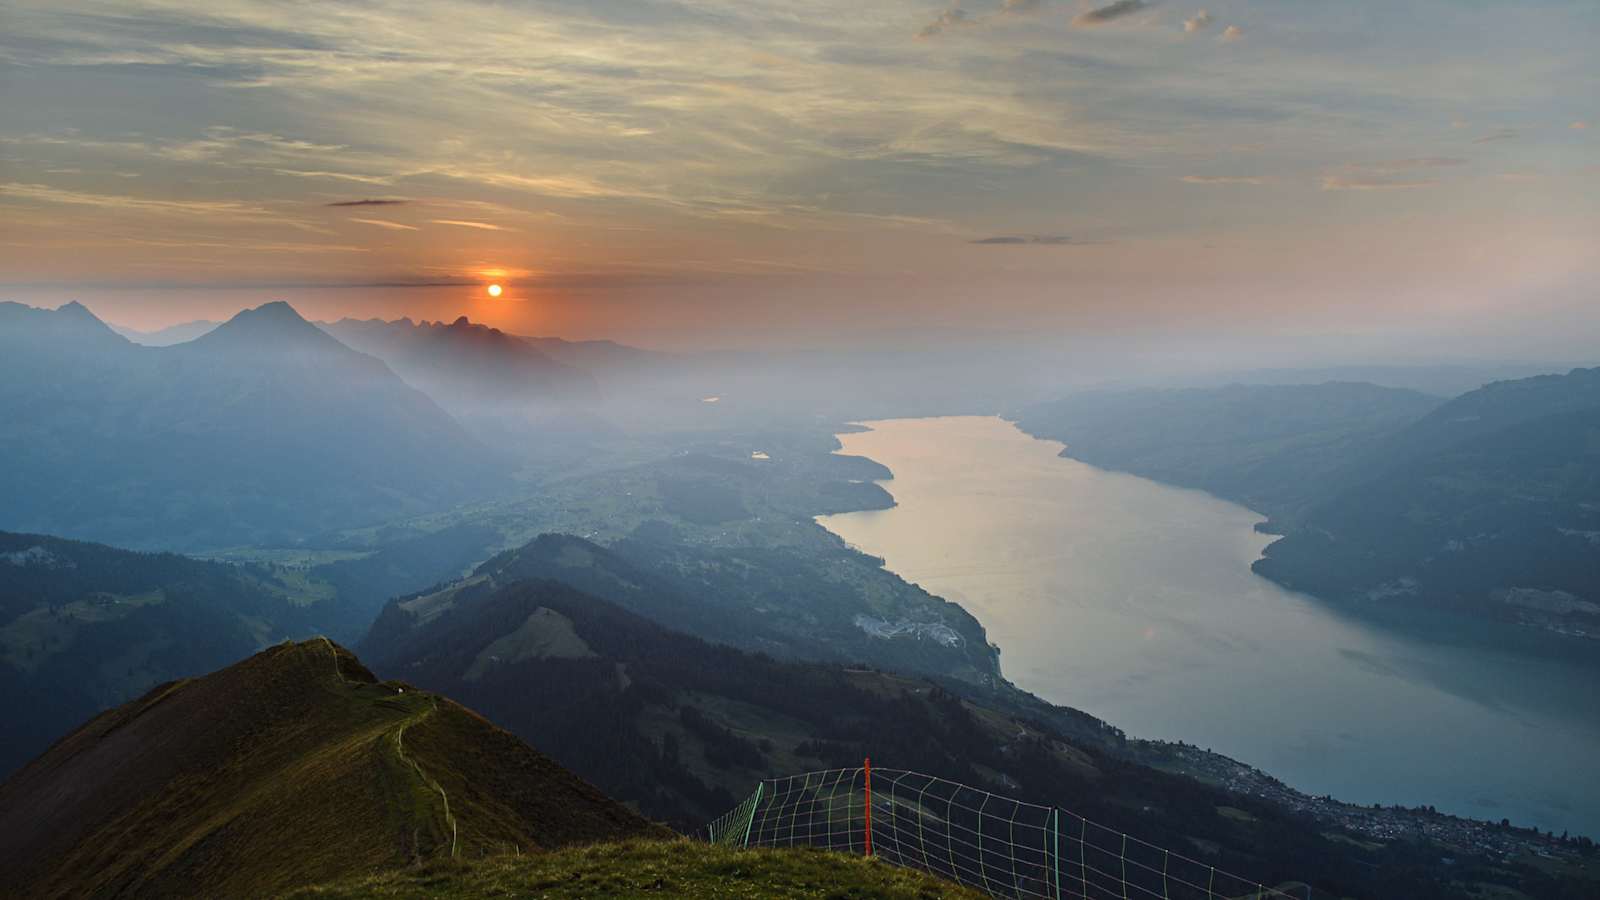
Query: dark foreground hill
x=293, y=767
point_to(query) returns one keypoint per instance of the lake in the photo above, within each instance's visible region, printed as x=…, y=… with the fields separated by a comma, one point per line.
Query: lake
x=1134, y=601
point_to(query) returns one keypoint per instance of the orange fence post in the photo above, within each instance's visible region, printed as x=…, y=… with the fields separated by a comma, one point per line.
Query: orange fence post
x=867, y=765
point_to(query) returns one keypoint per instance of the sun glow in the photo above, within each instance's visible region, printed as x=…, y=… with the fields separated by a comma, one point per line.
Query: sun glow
x=494, y=290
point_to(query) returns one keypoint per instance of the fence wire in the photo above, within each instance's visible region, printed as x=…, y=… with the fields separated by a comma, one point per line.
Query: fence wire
x=1004, y=847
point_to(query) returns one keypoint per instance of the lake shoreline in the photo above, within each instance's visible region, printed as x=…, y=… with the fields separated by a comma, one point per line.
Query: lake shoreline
x=1207, y=765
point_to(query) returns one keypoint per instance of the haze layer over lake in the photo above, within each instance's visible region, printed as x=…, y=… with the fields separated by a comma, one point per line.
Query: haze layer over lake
x=1135, y=602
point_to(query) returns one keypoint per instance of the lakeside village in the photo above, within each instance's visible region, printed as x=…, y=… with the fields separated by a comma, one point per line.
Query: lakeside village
x=1499, y=840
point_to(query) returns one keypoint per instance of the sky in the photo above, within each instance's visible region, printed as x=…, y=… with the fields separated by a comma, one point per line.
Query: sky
x=702, y=173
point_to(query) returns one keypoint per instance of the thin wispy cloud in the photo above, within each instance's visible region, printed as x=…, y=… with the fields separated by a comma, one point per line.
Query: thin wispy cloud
x=280, y=247
x=1499, y=134
x=1232, y=33
x=465, y=223
x=369, y=203
x=1358, y=182
x=338, y=176
x=1016, y=240
x=1224, y=179
x=1417, y=162
x=385, y=223
x=46, y=194
x=1109, y=13
x=1388, y=174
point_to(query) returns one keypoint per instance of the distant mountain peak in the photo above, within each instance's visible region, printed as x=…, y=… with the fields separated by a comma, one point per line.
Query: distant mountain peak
x=67, y=327
x=462, y=323
x=81, y=315
x=270, y=324
x=276, y=310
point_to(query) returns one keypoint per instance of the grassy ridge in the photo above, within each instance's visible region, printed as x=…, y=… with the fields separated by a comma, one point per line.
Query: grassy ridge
x=293, y=767
x=652, y=868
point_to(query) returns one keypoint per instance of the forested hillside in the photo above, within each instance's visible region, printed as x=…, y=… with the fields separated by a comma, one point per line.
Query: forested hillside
x=1273, y=448
x=1486, y=505
x=84, y=626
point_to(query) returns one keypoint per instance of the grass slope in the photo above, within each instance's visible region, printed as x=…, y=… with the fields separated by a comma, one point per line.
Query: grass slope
x=655, y=869
x=292, y=767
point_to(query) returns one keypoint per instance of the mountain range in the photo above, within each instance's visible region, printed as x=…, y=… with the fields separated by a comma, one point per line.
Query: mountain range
x=262, y=431
x=471, y=369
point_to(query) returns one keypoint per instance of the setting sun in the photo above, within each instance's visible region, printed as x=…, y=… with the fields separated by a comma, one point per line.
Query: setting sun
x=494, y=290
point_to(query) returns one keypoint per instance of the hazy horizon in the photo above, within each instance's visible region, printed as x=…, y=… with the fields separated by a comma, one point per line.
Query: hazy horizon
x=1063, y=361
